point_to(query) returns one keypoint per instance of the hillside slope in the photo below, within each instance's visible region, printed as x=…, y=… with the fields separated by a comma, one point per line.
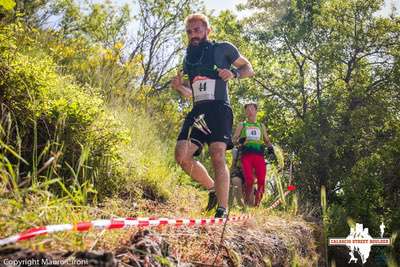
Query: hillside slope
x=268, y=238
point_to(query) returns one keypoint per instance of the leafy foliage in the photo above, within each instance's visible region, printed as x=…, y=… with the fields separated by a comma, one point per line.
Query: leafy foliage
x=60, y=114
x=7, y=4
x=327, y=82
x=330, y=68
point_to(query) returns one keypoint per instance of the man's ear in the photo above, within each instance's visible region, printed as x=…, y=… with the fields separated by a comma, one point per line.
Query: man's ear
x=209, y=31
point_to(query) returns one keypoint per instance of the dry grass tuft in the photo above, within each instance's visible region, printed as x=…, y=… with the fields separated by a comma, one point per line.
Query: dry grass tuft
x=266, y=239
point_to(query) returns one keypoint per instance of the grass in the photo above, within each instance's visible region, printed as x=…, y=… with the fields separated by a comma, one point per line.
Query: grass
x=392, y=254
x=45, y=197
x=324, y=223
x=42, y=208
x=48, y=199
x=148, y=159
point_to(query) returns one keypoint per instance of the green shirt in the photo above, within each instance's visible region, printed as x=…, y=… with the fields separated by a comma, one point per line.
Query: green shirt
x=253, y=132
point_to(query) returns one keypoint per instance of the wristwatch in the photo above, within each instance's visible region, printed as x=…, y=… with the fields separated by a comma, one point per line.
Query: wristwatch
x=235, y=72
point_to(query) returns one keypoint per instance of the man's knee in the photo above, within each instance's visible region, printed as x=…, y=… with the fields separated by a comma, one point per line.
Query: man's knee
x=217, y=154
x=218, y=159
x=181, y=158
x=184, y=152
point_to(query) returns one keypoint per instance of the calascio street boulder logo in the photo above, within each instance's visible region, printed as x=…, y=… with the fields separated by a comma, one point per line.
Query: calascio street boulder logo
x=359, y=240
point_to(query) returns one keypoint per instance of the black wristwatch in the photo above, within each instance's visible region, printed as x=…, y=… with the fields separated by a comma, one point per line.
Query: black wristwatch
x=235, y=72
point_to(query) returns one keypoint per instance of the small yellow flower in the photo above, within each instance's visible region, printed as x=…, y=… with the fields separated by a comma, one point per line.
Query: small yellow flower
x=118, y=45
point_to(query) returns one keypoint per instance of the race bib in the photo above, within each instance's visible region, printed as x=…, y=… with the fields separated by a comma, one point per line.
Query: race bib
x=253, y=133
x=203, y=89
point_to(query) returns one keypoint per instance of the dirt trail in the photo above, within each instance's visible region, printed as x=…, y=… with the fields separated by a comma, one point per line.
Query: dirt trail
x=271, y=241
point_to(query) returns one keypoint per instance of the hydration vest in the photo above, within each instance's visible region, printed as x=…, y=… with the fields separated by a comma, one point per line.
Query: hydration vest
x=253, y=132
x=205, y=83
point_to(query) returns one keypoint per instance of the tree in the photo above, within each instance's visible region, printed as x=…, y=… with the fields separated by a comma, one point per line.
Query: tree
x=332, y=67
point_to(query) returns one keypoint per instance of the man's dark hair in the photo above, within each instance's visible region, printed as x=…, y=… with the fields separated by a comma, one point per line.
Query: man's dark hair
x=251, y=104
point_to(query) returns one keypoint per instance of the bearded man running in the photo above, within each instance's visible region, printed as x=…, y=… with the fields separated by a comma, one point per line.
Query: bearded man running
x=209, y=65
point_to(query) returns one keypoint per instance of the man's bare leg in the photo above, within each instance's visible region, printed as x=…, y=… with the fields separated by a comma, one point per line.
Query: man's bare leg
x=184, y=151
x=217, y=152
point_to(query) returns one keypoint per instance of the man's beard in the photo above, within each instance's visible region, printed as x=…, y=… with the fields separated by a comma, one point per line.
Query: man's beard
x=197, y=41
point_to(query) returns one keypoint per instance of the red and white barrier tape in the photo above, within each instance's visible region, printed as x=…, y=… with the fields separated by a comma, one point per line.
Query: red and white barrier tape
x=113, y=224
x=290, y=188
x=278, y=201
x=124, y=223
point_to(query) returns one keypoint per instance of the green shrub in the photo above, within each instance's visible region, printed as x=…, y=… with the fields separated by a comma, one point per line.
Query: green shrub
x=148, y=157
x=116, y=149
x=50, y=114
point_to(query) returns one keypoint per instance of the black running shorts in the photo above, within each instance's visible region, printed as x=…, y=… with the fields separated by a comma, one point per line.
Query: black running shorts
x=219, y=119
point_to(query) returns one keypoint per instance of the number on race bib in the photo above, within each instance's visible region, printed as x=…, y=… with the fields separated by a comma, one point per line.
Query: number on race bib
x=203, y=89
x=253, y=133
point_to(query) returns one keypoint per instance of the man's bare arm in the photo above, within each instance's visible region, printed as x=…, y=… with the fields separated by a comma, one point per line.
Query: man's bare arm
x=185, y=91
x=236, y=135
x=266, y=137
x=244, y=67
x=179, y=85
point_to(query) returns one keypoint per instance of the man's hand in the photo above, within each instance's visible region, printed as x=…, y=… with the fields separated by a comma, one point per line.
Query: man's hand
x=177, y=81
x=178, y=84
x=242, y=140
x=225, y=74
